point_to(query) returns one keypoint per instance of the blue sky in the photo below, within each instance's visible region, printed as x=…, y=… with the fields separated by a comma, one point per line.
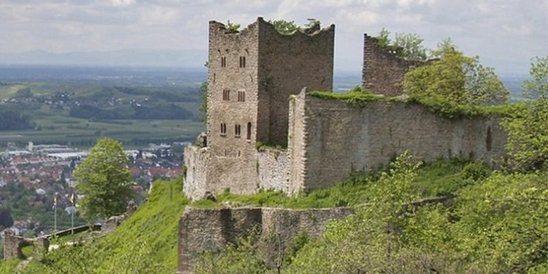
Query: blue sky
x=504, y=33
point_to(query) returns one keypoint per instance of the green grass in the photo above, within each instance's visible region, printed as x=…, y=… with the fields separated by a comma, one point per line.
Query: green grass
x=355, y=97
x=434, y=179
x=8, y=266
x=27, y=251
x=145, y=243
x=360, y=97
x=452, y=110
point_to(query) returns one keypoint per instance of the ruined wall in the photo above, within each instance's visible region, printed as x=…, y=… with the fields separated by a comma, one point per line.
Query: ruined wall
x=296, y=148
x=340, y=138
x=211, y=229
x=287, y=63
x=383, y=71
x=196, y=161
x=273, y=169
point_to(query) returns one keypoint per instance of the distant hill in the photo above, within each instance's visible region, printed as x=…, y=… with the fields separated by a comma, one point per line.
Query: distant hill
x=130, y=57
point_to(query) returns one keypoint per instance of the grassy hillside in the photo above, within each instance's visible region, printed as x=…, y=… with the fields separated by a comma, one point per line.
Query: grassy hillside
x=145, y=243
x=496, y=224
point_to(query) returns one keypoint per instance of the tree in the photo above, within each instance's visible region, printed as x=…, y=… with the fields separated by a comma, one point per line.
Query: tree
x=538, y=85
x=527, y=127
x=285, y=27
x=455, y=78
x=411, y=46
x=405, y=45
x=104, y=180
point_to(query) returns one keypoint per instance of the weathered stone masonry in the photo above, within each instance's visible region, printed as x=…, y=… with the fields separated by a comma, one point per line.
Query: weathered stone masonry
x=383, y=71
x=333, y=138
x=252, y=73
x=211, y=229
x=326, y=139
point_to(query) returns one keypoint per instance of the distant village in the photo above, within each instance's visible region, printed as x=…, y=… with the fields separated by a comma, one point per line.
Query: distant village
x=47, y=170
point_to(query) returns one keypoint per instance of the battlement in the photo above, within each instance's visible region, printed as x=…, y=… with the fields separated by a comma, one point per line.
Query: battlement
x=222, y=29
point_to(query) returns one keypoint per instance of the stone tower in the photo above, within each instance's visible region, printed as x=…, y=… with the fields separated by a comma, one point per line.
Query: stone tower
x=252, y=73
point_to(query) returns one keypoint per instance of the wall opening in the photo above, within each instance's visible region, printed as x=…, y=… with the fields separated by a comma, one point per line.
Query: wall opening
x=223, y=61
x=237, y=131
x=241, y=96
x=242, y=61
x=223, y=129
x=249, y=131
x=226, y=94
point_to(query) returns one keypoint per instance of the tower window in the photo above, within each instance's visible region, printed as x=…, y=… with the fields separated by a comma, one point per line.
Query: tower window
x=237, y=131
x=223, y=61
x=241, y=96
x=226, y=94
x=249, y=131
x=242, y=61
x=223, y=129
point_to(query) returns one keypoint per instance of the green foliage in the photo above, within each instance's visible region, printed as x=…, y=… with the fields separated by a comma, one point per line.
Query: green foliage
x=357, y=96
x=104, y=180
x=411, y=45
x=8, y=266
x=497, y=225
x=527, y=127
x=434, y=179
x=13, y=120
x=285, y=27
x=405, y=45
x=232, y=27
x=538, y=85
x=527, y=130
x=502, y=223
x=145, y=243
x=455, y=78
x=450, y=109
x=262, y=146
x=241, y=257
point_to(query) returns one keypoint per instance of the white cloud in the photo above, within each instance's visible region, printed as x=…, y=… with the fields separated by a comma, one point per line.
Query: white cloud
x=486, y=28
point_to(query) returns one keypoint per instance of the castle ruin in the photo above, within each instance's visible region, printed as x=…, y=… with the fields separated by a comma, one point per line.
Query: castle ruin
x=258, y=94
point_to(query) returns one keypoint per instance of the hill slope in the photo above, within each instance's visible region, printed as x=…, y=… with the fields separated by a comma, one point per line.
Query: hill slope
x=145, y=243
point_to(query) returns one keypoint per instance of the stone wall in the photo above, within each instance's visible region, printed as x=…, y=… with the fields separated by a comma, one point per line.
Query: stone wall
x=195, y=184
x=276, y=66
x=383, y=71
x=339, y=138
x=211, y=229
x=273, y=168
x=287, y=63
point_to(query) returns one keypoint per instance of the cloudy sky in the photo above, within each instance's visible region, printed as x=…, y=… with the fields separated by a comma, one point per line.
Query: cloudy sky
x=504, y=33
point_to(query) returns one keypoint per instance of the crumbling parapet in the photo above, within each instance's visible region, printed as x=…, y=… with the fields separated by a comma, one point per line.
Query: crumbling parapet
x=383, y=71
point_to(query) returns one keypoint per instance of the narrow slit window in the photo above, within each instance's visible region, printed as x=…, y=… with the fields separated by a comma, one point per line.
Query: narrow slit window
x=241, y=96
x=237, y=131
x=242, y=61
x=223, y=129
x=223, y=61
x=248, y=131
x=226, y=94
